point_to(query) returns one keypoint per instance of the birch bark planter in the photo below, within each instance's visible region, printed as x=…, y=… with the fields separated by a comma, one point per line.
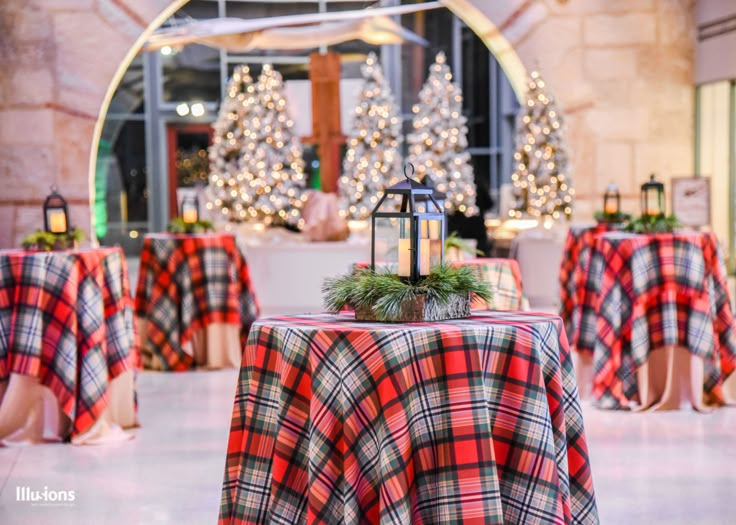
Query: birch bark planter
x=422, y=310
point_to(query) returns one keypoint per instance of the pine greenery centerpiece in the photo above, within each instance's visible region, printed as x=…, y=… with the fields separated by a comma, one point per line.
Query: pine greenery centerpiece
x=653, y=224
x=383, y=296
x=44, y=241
x=177, y=225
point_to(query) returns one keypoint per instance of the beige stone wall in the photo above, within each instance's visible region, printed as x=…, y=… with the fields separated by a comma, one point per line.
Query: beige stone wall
x=623, y=73
x=621, y=69
x=58, y=58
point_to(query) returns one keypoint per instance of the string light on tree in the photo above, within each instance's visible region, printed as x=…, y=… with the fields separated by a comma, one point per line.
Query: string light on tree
x=268, y=186
x=541, y=177
x=373, y=158
x=438, y=143
x=227, y=144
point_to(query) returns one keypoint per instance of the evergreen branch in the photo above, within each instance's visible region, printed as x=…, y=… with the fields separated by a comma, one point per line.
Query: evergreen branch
x=386, y=293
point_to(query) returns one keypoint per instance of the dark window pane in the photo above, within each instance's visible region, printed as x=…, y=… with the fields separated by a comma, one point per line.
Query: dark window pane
x=476, y=88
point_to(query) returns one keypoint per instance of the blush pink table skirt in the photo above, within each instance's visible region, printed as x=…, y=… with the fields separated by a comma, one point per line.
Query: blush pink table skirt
x=30, y=413
x=217, y=345
x=670, y=376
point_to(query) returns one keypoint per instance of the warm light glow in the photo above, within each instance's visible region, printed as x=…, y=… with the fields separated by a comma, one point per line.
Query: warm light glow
x=56, y=220
x=404, y=257
x=182, y=109
x=197, y=109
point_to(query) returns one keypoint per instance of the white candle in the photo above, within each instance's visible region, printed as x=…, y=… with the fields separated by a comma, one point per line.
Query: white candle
x=424, y=257
x=404, y=257
x=424, y=230
x=57, y=221
x=189, y=215
x=434, y=229
x=435, y=252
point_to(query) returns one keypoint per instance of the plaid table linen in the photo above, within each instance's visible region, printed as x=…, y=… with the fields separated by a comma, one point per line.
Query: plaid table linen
x=504, y=277
x=573, y=271
x=67, y=319
x=186, y=283
x=470, y=421
x=644, y=292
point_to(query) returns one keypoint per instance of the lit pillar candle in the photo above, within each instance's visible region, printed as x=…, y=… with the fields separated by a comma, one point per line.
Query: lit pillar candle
x=189, y=215
x=435, y=252
x=57, y=221
x=424, y=256
x=434, y=229
x=424, y=230
x=610, y=208
x=404, y=257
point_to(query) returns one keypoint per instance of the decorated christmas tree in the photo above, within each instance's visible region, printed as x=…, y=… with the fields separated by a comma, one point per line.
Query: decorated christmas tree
x=437, y=145
x=373, y=160
x=542, y=182
x=227, y=143
x=269, y=181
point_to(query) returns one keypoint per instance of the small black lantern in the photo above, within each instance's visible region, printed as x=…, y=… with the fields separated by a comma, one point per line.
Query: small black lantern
x=612, y=200
x=55, y=213
x=652, y=198
x=190, y=209
x=416, y=234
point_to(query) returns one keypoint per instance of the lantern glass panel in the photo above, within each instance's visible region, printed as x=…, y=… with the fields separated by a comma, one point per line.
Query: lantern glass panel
x=56, y=219
x=391, y=234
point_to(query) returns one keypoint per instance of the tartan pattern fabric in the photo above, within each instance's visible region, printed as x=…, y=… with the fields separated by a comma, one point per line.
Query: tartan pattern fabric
x=186, y=283
x=644, y=292
x=67, y=319
x=474, y=421
x=504, y=277
x=573, y=271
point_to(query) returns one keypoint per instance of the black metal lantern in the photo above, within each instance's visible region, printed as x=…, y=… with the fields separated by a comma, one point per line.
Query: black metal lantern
x=55, y=213
x=652, y=198
x=190, y=209
x=414, y=235
x=612, y=200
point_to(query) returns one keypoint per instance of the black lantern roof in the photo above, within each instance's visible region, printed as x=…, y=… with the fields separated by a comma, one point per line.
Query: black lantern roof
x=437, y=194
x=652, y=184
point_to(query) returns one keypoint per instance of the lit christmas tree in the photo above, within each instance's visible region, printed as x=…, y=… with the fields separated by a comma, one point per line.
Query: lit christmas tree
x=373, y=160
x=225, y=151
x=542, y=182
x=437, y=147
x=269, y=185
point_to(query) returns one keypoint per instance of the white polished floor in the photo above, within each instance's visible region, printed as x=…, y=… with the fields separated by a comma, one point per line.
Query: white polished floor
x=663, y=468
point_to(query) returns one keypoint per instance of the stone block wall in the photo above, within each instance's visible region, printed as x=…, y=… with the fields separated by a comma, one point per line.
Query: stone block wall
x=622, y=71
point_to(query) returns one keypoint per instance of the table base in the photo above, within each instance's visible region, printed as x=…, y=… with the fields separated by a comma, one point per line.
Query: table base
x=218, y=345
x=670, y=377
x=30, y=413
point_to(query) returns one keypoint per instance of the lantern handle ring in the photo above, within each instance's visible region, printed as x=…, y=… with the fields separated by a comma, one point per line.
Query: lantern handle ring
x=412, y=170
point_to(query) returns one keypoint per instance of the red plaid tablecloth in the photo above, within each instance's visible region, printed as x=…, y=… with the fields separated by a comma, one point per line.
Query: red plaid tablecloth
x=67, y=318
x=503, y=275
x=573, y=273
x=187, y=282
x=469, y=421
x=644, y=292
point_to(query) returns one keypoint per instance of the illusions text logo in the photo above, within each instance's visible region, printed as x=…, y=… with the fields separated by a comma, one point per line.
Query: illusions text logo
x=45, y=497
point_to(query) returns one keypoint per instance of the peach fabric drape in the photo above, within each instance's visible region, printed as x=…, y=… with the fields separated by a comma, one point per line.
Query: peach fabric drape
x=30, y=413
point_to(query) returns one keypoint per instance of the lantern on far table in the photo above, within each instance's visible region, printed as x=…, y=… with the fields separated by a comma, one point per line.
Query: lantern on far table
x=190, y=209
x=55, y=213
x=652, y=198
x=406, y=233
x=612, y=200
